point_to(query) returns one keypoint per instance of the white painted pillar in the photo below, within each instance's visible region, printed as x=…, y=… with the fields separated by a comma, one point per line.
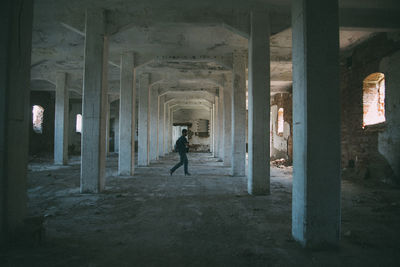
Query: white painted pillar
x=127, y=109
x=216, y=127
x=316, y=123
x=165, y=129
x=171, y=123
x=215, y=132
x=94, y=103
x=168, y=129
x=116, y=132
x=221, y=120
x=153, y=124
x=212, y=129
x=259, y=105
x=143, y=139
x=16, y=18
x=239, y=115
x=161, y=133
x=228, y=122
x=61, y=120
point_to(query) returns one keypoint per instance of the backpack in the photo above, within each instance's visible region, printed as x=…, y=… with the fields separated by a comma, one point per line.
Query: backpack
x=179, y=146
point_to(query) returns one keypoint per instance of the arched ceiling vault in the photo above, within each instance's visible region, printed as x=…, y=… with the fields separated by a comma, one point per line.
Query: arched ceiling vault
x=177, y=41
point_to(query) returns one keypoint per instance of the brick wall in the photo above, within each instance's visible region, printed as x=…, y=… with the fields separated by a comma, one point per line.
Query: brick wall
x=360, y=146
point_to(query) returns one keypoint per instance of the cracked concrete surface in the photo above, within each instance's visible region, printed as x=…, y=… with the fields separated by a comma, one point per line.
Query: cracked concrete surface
x=154, y=219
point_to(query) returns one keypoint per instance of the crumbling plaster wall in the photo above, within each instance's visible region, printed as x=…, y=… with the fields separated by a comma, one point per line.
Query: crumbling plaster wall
x=360, y=155
x=192, y=116
x=281, y=143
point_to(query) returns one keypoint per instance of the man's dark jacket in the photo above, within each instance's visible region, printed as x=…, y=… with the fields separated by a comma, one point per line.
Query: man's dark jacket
x=181, y=144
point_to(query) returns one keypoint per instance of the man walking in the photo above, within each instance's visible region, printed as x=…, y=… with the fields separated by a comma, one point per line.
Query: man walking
x=182, y=146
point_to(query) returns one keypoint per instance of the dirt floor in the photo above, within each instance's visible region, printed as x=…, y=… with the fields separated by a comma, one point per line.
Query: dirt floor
x=207, y=219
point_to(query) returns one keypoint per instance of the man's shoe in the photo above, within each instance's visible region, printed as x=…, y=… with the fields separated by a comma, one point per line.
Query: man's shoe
x=170, y=172
x=188, y=174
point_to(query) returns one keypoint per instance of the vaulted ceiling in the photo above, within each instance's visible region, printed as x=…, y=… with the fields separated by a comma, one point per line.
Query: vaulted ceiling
x=184, y=44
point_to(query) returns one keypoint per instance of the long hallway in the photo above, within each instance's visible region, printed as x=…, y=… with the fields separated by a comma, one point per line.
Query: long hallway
x=154, y=219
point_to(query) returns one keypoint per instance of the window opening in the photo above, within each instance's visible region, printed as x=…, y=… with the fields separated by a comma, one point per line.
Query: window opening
x=203, y=128
x=280, y=121
x=374, y=99
x=37, y=118
x=78, y=123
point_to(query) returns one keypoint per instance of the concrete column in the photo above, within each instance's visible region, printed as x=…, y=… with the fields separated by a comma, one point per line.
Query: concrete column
x=212, y=129
x=228, y=122
x=216, y=127
x=94, y=102
x=316, y=123
x=168, y=128
x=153, y=124
x=137, y=116
x=165, y=129
x=259, y=105
x=216, y=130
x=161, y=101
x=108, y=126
x=116, y=132
x=127, y=109
x=61, y=120
x=171, y=122
x=15, y=113
x=239, y=115
x=221, y=119
x=143, y=142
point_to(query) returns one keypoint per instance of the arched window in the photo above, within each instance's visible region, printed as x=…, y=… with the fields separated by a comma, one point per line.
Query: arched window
x=37, y=118
x=280, y=121
x=78, y=126
x=374, y=99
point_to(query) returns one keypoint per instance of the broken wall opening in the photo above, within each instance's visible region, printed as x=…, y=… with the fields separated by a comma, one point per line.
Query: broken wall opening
x=374, y=99
x=37, y=118
x=281, y=140
x=41, y=125
x=198, y=135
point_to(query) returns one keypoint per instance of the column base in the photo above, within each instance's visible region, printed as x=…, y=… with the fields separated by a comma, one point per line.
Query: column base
x=317, y=245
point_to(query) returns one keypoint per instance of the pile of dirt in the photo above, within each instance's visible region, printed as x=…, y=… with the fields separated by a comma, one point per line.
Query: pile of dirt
x=280, y=163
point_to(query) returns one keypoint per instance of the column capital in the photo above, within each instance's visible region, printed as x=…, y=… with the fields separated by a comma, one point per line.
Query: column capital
x=129, y=57
x=98, y=16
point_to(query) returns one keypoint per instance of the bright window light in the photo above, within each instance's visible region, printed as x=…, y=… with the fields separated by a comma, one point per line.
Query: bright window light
x=280, y=121
x=79, y=123
x=37, y=118
x=374, y=99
